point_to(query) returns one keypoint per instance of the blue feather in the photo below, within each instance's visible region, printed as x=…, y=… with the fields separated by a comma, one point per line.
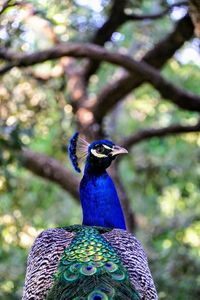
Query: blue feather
x=99, y=199
x=93, y=260
x=100, y=202
x=72, y=152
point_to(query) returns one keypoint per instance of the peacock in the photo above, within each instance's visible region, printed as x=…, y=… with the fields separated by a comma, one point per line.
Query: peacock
x=98, y=260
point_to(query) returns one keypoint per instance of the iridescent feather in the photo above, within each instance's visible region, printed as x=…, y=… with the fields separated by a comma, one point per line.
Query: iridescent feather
x=90, y=269
x=94, y=262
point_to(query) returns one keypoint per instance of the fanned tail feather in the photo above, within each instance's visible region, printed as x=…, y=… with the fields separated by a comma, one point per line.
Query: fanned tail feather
x=94, y=287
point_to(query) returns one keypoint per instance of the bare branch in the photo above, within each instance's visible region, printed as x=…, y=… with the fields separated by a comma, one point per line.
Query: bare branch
x=49, y=168
x=7, y=67
x=136, y=17
x=75, y=82
x=7, y=4
x=4, y=6
x=149, y=133
x=194, y=10
x=157, y=57
x=115, y=19
x=178, y=96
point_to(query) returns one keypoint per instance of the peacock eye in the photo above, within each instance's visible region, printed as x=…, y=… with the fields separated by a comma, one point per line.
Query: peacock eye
x=99, y=149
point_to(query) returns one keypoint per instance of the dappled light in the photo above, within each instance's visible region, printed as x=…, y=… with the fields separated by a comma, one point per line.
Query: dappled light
x=128, y=71
x=85, y=116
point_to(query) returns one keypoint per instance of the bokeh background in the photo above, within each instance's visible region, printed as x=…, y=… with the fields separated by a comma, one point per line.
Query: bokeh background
x=42, y=105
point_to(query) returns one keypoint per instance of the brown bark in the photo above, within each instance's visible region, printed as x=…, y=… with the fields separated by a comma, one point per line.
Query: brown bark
x=194, y=10
x=178, y=96
x=155, y=16
x=50, y=169
x=149, y=133
x=115, y=20
x=157, y=57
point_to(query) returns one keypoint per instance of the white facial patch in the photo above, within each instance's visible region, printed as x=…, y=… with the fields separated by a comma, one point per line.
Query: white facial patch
x=100, y=155
x=107, y=147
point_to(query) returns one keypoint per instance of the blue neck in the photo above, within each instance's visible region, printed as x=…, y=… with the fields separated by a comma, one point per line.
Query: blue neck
x=99, y=200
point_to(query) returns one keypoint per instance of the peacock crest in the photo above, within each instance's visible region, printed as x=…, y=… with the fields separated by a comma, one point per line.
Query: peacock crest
x=78, y=150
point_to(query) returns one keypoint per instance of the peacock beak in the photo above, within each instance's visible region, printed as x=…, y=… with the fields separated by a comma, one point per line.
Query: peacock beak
x=118, y=150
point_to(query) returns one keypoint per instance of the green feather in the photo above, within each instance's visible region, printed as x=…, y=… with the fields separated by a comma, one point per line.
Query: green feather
x=90, y=269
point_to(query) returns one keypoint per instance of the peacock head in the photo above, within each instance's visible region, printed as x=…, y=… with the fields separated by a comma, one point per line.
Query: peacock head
x=98, y=155
x=101, y=154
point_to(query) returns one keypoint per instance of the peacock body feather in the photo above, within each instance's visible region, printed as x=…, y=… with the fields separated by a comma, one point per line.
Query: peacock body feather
x=91, y=269
x=99, y=260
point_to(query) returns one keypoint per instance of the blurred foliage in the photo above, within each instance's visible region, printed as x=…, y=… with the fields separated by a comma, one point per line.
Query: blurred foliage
x=162, y=176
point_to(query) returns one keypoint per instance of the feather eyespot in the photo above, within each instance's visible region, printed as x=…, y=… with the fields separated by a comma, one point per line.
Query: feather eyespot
x=97, y=295
x=88, y=270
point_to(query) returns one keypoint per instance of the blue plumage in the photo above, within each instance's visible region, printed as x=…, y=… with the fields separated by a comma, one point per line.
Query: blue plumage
x=72, y=152
x=100, y=203
x=99, y=199
x=96, y=260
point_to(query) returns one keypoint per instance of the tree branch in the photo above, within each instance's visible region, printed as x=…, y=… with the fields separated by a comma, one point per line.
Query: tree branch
x=157, y=57
x=182, y=98
x=136, y=17
x=115, y=20
x=149, y=133
x=4, y=6
x=7, y=4
x=49, y=168
x=194, y=10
